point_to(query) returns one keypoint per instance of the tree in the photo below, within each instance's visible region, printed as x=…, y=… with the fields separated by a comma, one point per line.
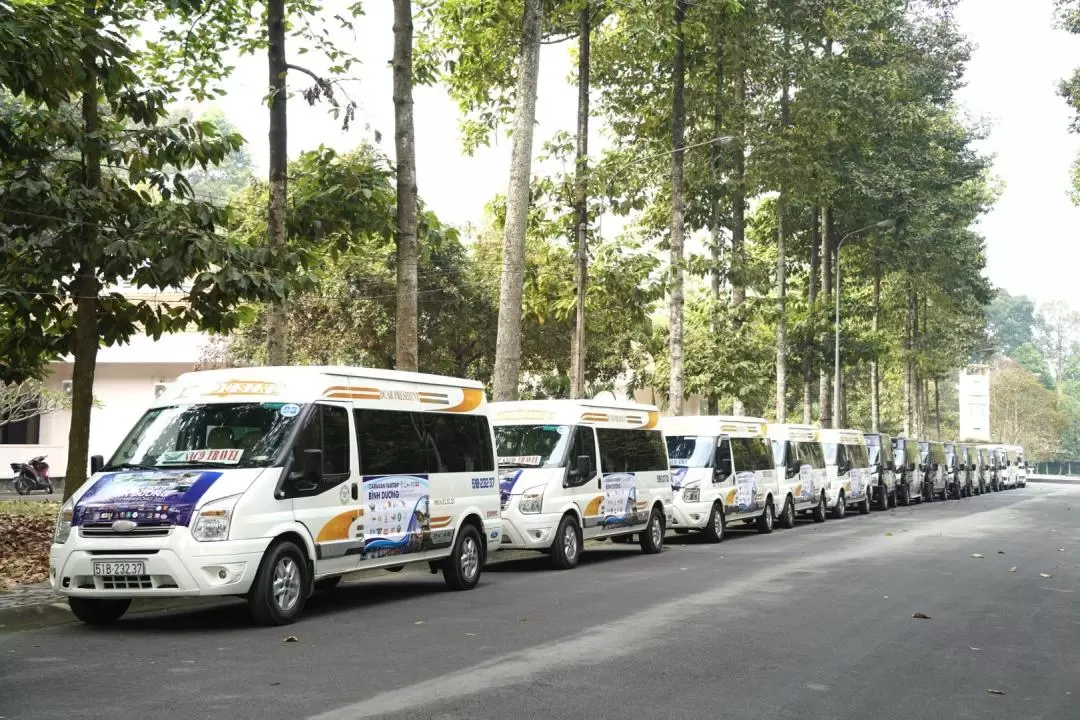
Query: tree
x=508, y=339
x=1056, y=334
x=678, y=125
x=581, y=204
x=1028, y=357
x=1010, y=321
x=405, y=147
x=218, y=183
x=89, y=201
x=1023, y=412
x=29, y=399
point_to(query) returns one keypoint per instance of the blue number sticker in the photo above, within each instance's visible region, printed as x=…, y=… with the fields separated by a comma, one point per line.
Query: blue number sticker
x=289, y=410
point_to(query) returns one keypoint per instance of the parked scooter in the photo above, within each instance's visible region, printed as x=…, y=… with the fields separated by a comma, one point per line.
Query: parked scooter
x=31, y=476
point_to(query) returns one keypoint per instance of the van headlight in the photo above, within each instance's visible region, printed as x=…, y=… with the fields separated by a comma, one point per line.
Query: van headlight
x=691, y=494
x=63, y=522
x=531, y=500
x=213, y=520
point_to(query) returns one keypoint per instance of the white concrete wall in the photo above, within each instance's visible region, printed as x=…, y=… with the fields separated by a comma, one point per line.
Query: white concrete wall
x=123, y=392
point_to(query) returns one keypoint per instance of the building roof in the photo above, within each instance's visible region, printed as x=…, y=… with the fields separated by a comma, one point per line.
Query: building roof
x=183, y=348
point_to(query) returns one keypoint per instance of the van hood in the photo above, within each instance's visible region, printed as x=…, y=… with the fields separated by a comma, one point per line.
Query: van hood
x=517, y=480
x=158, y=496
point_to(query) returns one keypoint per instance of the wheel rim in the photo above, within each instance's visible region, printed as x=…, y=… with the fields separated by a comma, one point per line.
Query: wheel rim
x=769, y=516
x=286, y=584
x=470, y=558
x=570, y=542
x=654, y=531
x=840, y=506
x=718, y=523
x=789, y=514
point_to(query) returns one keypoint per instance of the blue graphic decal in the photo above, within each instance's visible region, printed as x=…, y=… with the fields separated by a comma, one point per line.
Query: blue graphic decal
x=507, y=480
x=396, y=518
x=145, y=496
x=620, y=494
x=677, y=476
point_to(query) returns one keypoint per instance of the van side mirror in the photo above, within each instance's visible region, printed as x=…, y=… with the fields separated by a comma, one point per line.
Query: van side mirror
x=584, y=466
x=313, y=466
x=97, y=462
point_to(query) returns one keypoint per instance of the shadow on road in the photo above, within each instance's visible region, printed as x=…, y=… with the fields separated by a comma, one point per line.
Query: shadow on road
x=593, y=555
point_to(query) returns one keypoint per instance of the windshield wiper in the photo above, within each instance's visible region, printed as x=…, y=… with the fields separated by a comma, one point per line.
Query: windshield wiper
x=130, y=466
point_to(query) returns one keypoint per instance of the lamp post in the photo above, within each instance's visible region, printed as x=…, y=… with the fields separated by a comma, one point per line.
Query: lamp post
x=883, y=225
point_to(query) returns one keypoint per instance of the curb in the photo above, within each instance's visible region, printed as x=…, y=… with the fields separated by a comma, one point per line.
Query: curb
x=36, y=616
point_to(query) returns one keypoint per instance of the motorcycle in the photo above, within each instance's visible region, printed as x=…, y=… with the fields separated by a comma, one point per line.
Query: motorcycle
x=33, y=475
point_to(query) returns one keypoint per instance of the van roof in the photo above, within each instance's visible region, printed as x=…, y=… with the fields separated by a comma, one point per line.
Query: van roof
x=714, y=425
x=842, y=437
x=391, y=389
x=610, y=414
x=793, y=431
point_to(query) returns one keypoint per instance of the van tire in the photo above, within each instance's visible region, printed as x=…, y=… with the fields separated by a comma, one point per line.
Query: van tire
x=566, y=549
x=652, y=537
x=98, y=612
x=327, y=584
x=716, y=528
x=841, y=507
x=892, y=498
x=461, y=571
x=766, y=521
x=864, y=506
x=818, y=513
x=283, y=571
x=787, y=515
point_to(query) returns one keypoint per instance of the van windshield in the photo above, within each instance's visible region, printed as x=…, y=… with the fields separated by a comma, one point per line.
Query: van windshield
x=210, y=435
x=523, y=446
x=830, y=453
x=690, y=450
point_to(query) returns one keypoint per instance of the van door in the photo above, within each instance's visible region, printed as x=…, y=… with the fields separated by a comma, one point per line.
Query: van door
x=328, y=506
x=582, y=483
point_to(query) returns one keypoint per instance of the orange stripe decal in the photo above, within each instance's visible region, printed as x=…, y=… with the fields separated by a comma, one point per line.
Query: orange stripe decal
x=337, y=528
x=654, y=420
x=593, y=508
x=440, y=522
x=470, y=400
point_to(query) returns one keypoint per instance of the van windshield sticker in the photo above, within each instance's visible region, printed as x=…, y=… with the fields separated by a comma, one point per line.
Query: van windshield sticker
x=533, y=460
x=227, y=456
x=289, y=410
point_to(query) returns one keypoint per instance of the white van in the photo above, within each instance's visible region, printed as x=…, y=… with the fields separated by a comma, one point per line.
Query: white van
x=797, y=451
x=722, y=470
x=575, y=470
x=1012, y=465
x=849, y=470
x=272, y=482
x=1021, y=467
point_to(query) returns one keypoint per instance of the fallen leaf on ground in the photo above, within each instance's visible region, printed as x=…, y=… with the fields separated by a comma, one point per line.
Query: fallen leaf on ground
x=1012, y=569
x=471, y=634
x=995, y=692
x=974, y=648
x=1045, y=575
x=976, y=555
x=291, y=638
x=888, y=534
x=922, y=616
x=1001, y=552
x=1061, y=549
x=418, y=622
x=524, y=619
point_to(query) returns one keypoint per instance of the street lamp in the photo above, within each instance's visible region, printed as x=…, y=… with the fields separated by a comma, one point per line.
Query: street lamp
x=883, y=225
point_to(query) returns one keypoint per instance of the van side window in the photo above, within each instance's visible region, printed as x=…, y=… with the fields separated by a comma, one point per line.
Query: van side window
x=584, y=444
x=858, y=456
x=458, y=443
x=327, y=429
x=724, y=459
x=813, y=455
x=390, y=442
x=626, y=451
x=751, y=454
x=794, y=460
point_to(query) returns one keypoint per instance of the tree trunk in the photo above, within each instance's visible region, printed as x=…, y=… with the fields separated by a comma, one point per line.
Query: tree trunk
x=716, y=229
x=407, y=325
x=781, y=265
x=276, y=316
x=738, y=196
x=811, y=301
x=85, y=288
x=937, y=408
x=875, y=380
x=581, y=205
x=678, y=123
x=508, y=339
x=825, y=389
x=916, y=378
x=909, y=321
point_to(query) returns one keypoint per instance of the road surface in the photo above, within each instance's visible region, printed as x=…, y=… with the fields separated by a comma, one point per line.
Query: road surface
x=814, y=622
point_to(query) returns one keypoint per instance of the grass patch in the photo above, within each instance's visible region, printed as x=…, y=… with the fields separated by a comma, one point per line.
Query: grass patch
x=29, y=508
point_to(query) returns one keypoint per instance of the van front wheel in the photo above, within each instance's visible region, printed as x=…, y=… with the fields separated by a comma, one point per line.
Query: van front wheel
x=818, y=512
x=98, y=612
x=278, y=595
x=652, y=538
x=717, y=525
x=767, y=519
x=787, y=515
x=461, y=570
x=566, y=550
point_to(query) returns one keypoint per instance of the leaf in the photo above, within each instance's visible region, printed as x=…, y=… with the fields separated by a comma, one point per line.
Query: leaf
x=291, y=639
x=995, y=692
x=1012, y=569
x=921, y=616
x=976, y=555
x=418, y=622
x=1045, y=575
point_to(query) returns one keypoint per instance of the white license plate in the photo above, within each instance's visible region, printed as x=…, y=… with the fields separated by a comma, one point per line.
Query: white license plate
x=119, y=567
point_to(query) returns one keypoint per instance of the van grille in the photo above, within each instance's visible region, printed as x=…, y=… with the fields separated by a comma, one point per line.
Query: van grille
x=126, y=582
x=103, y=530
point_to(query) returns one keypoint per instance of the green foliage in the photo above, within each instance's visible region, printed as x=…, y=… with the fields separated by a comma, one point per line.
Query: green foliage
x=1028, y=357
x=1010, y=319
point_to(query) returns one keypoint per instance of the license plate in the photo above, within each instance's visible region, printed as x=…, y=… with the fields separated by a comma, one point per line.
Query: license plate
x=119, y=567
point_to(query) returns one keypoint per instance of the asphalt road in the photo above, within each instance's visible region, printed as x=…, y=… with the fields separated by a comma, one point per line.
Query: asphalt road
x=814, y=622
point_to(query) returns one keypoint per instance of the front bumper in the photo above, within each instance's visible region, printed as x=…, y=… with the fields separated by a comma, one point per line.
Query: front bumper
x=690, y=515
x=528, y=531
x=175, y=566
